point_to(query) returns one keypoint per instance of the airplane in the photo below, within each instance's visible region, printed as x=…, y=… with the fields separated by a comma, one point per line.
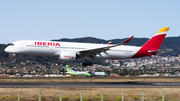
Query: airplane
x=84, y=73
x=71, y=51
x=72, y=72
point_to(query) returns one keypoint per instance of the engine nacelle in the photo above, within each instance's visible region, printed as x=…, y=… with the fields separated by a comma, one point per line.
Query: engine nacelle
x=68, y=56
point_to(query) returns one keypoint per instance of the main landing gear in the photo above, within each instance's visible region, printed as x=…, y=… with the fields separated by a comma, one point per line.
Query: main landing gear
x=87, y=63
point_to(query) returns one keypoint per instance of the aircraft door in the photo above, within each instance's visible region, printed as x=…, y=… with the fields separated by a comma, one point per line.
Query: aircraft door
x=22, y=45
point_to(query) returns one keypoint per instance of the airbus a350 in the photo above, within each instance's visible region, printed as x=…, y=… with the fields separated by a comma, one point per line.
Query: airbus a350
x=71, y=51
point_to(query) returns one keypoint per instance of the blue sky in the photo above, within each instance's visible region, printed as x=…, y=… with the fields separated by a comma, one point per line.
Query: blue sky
x=104, y=19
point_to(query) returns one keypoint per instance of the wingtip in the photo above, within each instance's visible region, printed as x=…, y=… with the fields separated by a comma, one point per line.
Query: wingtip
x=128, y=39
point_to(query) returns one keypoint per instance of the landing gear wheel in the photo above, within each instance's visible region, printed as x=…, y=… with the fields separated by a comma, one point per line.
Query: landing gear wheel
x=87, y=64
x=90, y=64
x=84, y=64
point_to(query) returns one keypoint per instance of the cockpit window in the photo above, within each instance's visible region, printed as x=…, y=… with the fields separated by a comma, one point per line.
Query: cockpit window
x=10, y=44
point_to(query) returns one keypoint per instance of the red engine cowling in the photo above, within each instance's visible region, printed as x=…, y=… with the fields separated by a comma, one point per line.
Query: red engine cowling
x=67, y=56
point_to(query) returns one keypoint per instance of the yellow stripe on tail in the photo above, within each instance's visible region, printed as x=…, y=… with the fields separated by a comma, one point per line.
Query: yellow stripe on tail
x=109, y=42
x=164, y=29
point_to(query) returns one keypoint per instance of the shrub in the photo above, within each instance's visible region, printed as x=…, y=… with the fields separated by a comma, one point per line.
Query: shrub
x=97, y=98
x=86, y=99
x=159, y=97
x=174, y=99
x=13, y=98
x=66, y=98
x=147, y=99
x=134, y=97
x=78, y=98
x=118, y=98
x=4, y=97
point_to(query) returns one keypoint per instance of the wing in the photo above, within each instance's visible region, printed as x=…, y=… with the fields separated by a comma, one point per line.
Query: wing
x=93, y=52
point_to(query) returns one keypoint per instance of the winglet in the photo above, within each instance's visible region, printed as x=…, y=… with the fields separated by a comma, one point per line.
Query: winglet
x=128, y=39
x=109, y=42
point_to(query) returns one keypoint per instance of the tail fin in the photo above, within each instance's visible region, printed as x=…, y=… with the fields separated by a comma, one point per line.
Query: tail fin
x=109, y=43
x=155, y=42
x=152, y=44
x=69, y=69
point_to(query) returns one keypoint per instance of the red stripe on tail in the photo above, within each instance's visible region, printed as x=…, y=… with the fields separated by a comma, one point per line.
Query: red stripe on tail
x=151, y=45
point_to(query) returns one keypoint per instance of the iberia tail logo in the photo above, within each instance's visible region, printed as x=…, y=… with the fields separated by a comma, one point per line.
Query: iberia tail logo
x=152, y=44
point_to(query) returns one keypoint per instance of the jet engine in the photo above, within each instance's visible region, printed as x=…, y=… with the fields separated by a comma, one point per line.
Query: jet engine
x=68, y=56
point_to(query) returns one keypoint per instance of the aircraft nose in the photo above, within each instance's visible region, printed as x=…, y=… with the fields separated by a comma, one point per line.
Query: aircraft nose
x=6, y=49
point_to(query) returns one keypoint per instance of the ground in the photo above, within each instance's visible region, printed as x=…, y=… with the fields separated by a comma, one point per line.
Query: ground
x=89, y=93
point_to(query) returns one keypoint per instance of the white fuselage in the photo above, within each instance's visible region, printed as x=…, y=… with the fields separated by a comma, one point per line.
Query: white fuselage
x=54, y=48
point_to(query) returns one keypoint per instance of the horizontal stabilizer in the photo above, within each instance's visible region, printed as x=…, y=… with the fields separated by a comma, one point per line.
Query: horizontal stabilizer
x=160, y=51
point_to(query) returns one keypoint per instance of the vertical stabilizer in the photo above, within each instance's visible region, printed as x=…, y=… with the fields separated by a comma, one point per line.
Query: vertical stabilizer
x=152, y=44
x=69, y=69
x=155, y=42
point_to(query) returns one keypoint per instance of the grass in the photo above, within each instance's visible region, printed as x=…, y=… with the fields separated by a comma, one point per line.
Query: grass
x=89, y=94
x=4, y=97
x=66, y=98
x=134, y=97
x=119, y=98
x=159, y=97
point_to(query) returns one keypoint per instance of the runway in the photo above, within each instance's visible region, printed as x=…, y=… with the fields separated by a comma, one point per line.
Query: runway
x=87, y=84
